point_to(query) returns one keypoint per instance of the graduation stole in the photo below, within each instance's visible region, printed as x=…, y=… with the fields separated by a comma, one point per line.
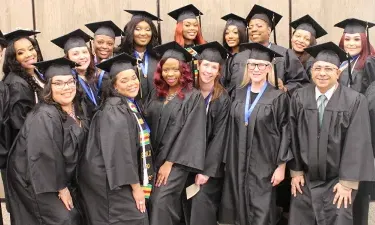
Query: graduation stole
x=195, y=63
x=145, y=153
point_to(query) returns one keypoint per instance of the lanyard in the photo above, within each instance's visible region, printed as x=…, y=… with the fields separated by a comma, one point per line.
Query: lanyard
x=100, y=80
x=88, y=90
x=144, y=64
x=247, y=110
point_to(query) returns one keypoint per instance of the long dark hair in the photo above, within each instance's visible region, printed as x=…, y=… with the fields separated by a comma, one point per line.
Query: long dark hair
x=127, y=42
x=91, y=69
x=47, y=98
x=12, y=65
x=241, y=34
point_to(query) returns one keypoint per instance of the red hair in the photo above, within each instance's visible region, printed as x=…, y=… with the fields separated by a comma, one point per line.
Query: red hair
x=179, y=36
x=364, y=52
x=185, y=81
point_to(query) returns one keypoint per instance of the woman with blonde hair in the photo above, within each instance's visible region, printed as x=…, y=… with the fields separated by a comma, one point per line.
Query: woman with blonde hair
x=257, y=143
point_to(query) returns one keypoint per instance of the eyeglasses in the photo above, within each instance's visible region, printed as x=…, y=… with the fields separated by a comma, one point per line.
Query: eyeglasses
x=261, y=66
x=60, y=85
x=325, y=69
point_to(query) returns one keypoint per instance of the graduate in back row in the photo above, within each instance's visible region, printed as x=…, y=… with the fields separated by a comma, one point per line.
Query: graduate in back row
x=331, y=144
x=257, y=143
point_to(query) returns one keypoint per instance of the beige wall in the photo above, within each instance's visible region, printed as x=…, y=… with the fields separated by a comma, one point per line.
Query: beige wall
x=56, y=17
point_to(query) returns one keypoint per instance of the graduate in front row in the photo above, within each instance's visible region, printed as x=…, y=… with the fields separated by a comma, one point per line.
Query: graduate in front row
x=43, y=159
x=331, y=144
x=257, y=145
x=176, y=114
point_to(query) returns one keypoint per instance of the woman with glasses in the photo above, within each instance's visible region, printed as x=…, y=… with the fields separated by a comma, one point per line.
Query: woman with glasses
x=42, y=161
x=257, y=143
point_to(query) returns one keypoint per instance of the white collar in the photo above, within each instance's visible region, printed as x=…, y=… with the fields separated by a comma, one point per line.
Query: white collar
x=328, y=93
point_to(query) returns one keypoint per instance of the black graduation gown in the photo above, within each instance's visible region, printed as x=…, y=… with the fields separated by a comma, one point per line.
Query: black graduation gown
x=205, y=204
x=4, y=132
x=341, y=150
x=253, y=153
x=178, y=135
x=308, y=64
x=147, y=80
x=109, y=165
x=226, y=71
x=41, y=162
x=362, y=78
x=289, y=68
x=86, y=103
x=21, y=102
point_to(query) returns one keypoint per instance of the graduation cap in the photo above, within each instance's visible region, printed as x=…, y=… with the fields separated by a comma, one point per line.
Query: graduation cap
x=352, y=26
x=74, y=39
x=3, y=42
x=331, y=53
x=20, y=33
x=173, y=50
x=270, y=17
x=107, y=28
x=307, y=23
x=118, y=64
x=212, y=51
x=260, y=52
x=56, y=67
x=186, y=12
x=233, y=19
x=143, y=14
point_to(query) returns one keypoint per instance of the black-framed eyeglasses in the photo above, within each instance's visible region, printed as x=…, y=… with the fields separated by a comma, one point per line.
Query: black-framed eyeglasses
x=60, y=84
x=261, y=66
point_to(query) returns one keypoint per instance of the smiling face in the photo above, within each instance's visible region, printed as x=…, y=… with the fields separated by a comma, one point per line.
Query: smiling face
x=208, y=71
x=103, y=46
x=26, y=54
x=353, y=43
x=301, y=39
x=258, y=70
x=63, y=89
x=127, y=83
x=190, y=29
x=232, y=37
x=142, y=34
x=80, y=55
x=324, y=75
x=171, y=72
x=259, y=31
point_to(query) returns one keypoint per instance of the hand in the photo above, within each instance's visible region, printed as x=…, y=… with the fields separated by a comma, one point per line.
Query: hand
x=281, y=86
x=163, y=173
x=201, y=179
x=343, y=195
x=278, y=175
x=297, y=182
x=139, y=198
x=66, y=198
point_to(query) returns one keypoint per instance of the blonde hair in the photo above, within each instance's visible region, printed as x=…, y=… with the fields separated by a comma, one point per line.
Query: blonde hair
x=270, y=76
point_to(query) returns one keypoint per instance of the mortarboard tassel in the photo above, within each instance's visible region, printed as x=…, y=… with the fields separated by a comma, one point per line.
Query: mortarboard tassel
x=274, y=29
x=39, y=51
x=368, y=39
x=158, y=21
x=247, y=33
x=200, y=20
x=349, y=70
x=275, y=75
x=139, y=75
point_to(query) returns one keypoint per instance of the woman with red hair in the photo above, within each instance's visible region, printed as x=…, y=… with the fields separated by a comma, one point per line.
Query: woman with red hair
x=188, y=32
x=354, y=41
x=176, y=115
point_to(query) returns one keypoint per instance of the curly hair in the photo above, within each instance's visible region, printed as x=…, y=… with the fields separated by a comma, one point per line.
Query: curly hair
x=242, y=36
x=127, y=42
x=12, y=65
x=185, y=81
x=179, y=36
x=48, y=99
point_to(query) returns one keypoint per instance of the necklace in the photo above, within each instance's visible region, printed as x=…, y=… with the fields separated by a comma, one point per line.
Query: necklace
x=72, y=113
x=171, y=96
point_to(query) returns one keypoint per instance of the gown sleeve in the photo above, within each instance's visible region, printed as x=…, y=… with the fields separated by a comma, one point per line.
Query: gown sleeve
x=295, y=74
x=215, y=147
x=281, y=107
x=370, y=69
x=357, y=161
x=117, y=146
x=370, y=94
x=4, y=131
x=189, y=146
x=45, y=153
